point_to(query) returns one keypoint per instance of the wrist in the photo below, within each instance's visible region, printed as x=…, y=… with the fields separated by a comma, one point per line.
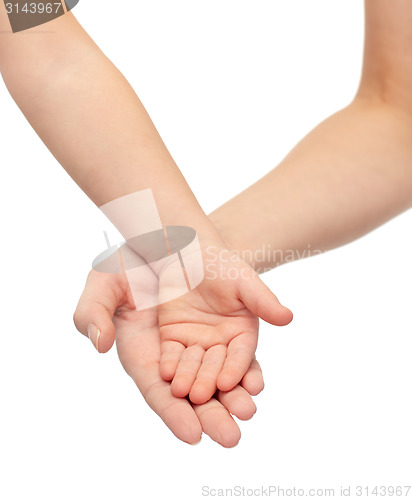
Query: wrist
x=226, y=229
x=235, y=238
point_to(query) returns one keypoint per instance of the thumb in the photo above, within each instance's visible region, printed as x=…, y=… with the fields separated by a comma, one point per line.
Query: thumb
x=95, y=310
x=262, y=302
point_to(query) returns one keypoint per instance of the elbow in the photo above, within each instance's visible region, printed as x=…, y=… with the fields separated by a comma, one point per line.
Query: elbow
x=388, y=85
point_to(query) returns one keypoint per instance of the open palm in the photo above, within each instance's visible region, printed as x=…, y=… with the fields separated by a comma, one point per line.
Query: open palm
x=209, y=336
x=107, y=303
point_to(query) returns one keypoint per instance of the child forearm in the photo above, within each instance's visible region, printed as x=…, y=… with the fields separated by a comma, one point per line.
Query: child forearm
x=349, y=175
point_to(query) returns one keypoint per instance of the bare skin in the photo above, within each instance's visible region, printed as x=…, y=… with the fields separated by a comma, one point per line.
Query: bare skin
x=210, y=334
x=106, y=302
x=352, y=173
x=121, y=154
x=349, y=175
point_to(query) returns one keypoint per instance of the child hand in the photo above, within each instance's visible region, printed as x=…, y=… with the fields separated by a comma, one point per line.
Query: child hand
x=209, y=336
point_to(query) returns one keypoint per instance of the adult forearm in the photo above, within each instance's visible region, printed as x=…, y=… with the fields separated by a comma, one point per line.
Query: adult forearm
x=92, y=121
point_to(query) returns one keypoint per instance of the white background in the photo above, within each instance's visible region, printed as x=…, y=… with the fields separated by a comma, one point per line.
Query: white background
x=232, y=85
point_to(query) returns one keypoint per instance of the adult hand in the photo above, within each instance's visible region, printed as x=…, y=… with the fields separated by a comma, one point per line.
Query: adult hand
x=107, y=313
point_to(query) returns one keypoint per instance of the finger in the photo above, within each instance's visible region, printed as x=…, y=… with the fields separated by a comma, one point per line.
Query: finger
x=253, y=380
x=240, y=353
x=169, y=360
x=217, y=423
x=262, y=302
x=204, y=386
x=176, y=413
x=186, y=371
x=95, y=309
x=237, y=402
x=139, y=354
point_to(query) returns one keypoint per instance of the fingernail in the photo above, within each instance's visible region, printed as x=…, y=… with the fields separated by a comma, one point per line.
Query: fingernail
x=195, y=444
x=94, y=335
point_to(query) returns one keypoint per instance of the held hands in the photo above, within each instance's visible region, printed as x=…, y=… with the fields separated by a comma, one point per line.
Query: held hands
x=201, y=344
x=107, y=304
